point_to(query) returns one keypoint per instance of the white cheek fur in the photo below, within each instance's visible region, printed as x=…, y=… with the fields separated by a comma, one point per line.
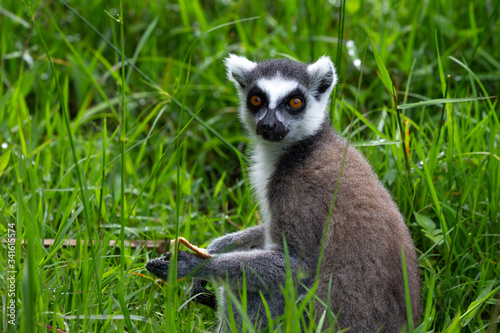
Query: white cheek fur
x=312, y=119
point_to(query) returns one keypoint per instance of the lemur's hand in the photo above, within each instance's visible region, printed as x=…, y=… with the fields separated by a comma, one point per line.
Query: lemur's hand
x=202, y=295
x=187, y=264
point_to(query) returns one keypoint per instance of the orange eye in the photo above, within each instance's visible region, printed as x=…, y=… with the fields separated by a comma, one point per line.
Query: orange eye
x=255, y=100
x=295, y=103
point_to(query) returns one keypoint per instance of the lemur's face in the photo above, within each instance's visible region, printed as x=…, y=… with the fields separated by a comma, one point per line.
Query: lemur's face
x=282, y=100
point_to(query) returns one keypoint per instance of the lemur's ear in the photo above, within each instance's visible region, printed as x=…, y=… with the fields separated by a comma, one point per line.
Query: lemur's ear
x=323, y=76
x=238, y=69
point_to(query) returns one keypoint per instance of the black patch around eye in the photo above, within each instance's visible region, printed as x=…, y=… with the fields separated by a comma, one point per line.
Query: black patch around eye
x=297, y=93
x=256, y=92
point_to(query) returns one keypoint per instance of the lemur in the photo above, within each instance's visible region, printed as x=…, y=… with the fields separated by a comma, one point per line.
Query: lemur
x=298, y=159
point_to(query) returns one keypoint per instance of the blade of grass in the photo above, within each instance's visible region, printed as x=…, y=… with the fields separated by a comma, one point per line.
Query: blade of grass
x=29, y=272
x=373, y=143
x=123, y=269
x=435, y=198
x=439, y=101
x=409, y=315
x=104, y=145
x=382, y=71
x=440, y=125
x=386, y=80
x=428, y=304
x=440, y=66
x=140, y=45
x=338, y=60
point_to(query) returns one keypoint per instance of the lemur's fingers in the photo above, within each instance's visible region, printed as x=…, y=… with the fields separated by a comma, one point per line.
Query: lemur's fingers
x=202, y=295
x=199, y=251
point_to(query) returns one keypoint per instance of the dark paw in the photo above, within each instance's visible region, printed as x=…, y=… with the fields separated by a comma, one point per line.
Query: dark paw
x=187, y=265
x=202, y=295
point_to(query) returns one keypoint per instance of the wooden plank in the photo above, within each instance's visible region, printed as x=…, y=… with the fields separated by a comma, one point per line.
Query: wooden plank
x=160, y=245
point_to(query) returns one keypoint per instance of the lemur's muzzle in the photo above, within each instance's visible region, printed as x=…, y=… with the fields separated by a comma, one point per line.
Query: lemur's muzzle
x=271, y=128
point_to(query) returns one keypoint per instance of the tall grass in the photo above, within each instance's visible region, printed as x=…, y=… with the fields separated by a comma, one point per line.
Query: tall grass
x=118, y=123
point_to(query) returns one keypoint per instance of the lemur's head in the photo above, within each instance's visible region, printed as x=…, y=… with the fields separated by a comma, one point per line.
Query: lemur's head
x=282, y=100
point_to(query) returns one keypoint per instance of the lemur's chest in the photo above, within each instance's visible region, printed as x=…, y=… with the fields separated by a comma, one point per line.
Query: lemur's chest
x=292, y=202
x=260, y=175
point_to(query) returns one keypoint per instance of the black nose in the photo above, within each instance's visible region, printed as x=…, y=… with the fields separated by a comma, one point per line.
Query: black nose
x=271, y=128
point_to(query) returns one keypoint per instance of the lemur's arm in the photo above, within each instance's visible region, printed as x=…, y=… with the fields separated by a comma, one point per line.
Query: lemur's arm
x=236, y=241
x=263, y=269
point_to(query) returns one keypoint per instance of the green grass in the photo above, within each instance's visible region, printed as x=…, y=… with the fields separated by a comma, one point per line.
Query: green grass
x=73, y=165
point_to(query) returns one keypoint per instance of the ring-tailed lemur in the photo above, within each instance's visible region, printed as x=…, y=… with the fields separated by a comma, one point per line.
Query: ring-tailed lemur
x=297, y=162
